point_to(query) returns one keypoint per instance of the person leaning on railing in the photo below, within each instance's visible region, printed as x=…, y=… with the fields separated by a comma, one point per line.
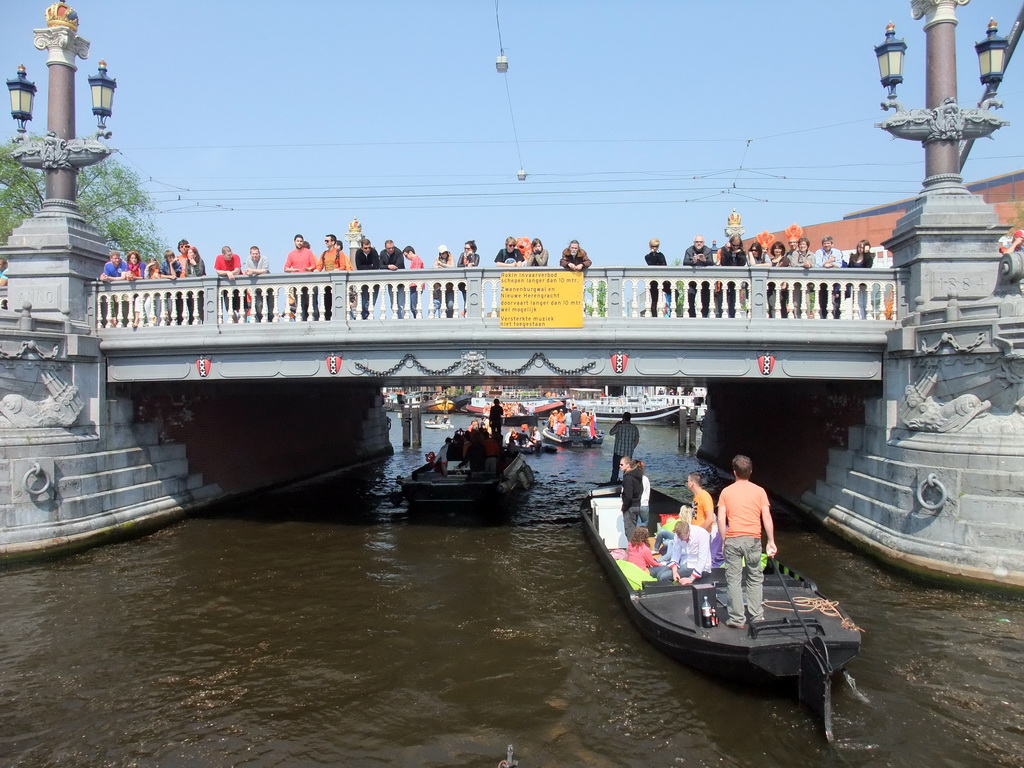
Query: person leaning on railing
x=730, y=255
x=469, y=258
x=861, y=258
x=538, y=256
x=698, y=255
x=444, y=260
x=777, y=260
x=574, y=258
x=656, y=258
x=828, y=257
x=510, y=255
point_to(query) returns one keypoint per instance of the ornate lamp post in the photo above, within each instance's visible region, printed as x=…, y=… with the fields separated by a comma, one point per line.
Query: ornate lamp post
x=942, y=124
x=60, y=155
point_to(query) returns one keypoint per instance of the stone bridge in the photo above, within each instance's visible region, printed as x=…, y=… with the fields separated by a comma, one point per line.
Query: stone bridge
x=674, y=325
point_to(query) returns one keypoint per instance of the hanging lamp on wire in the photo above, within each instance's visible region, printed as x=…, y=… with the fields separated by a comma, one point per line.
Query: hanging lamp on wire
x=501, y=64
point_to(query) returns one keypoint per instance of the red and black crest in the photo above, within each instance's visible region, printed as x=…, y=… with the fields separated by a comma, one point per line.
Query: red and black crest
x=766, y=364
x=619, y=362
x=334, y=364
x=204, y=366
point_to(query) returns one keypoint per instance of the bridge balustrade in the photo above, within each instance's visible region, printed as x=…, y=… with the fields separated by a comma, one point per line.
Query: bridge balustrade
x=681, y=293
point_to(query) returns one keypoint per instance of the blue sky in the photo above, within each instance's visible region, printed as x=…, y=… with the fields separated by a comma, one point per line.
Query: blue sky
x=254, y=121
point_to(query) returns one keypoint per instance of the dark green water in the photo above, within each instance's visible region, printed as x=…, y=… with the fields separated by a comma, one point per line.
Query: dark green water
x=322, y=625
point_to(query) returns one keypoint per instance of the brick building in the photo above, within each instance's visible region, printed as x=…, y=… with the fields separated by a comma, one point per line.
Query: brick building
x=1005, y=192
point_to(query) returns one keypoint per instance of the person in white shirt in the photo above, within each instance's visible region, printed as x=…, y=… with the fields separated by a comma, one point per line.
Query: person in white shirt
x=688, y=555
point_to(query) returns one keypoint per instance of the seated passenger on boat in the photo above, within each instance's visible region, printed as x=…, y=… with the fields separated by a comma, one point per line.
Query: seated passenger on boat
x=639, y=554
x=476, y=454
x=688, y=556
x=442, y=456
x=512, y=441
x=535, y=437
x=492, y=450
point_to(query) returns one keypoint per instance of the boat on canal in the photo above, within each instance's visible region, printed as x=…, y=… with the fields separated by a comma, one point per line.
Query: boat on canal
x=435, y=423
x=486, y=490
x=516, y=412
x=644, y=408
x=573, y=438
x=803, y=637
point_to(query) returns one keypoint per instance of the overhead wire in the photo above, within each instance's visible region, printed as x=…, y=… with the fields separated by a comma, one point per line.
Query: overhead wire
x=508, y=91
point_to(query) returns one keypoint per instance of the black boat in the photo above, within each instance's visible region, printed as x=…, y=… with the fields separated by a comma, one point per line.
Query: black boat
x=809, y=647
x=461, y=486
x=574, y=437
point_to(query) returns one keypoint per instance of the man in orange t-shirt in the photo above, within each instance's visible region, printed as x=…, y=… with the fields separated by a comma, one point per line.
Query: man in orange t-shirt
x=742, y=509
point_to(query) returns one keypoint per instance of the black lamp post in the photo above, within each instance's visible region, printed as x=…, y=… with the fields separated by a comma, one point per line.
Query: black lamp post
x=943, y=124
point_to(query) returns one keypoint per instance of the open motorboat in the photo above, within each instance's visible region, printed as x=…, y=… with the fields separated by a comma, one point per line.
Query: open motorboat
x=488, y=490
x=435, y=423
x=574, y=437
x=803, y=636
x=515, y=412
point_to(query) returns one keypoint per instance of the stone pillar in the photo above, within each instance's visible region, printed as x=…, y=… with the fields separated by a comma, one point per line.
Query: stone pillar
x=941, y=156
x=63, y=46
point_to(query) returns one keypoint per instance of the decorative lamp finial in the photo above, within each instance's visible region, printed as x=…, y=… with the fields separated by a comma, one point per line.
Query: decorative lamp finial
x=62, y=15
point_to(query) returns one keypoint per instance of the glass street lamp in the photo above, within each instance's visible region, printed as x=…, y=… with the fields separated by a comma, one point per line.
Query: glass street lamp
x=992, y=56
x=102, y=95
x=22, y=95
x=890, y=60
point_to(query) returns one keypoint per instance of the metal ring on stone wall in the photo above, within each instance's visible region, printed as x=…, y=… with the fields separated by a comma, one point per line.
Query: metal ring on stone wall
x=932, y=481
x=35, y=471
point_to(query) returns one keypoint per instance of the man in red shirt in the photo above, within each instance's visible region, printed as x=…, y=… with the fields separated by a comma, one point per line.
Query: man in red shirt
x=742, y=508
x=229, y=265
x=301, y=259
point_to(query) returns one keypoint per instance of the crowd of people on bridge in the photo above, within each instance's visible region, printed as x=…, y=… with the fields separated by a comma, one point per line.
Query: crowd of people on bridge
x=522, y=252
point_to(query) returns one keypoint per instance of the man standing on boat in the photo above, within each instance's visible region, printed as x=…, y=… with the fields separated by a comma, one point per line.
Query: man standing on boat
x=494, y=417
x=742, y=509
x=627, y=436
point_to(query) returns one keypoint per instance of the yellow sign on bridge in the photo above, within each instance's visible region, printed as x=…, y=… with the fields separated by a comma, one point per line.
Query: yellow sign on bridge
x=534, y=299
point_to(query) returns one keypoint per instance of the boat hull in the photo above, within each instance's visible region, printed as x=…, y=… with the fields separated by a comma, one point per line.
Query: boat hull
x=664, y=615
x=666, y=415
x=571, y=440
x=462, y=487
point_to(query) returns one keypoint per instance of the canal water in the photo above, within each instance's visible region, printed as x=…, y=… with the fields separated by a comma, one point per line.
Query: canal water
x=322, y=625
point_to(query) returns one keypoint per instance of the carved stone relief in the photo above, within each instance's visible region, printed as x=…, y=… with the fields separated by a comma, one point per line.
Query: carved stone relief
x=61, y=409
x=923, y=413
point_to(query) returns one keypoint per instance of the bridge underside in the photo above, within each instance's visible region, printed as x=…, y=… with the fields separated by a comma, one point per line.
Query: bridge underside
x=628, y=352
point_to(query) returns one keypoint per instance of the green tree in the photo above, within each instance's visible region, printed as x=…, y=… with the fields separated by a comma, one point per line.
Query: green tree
x=110, y=196
x=1018, y=216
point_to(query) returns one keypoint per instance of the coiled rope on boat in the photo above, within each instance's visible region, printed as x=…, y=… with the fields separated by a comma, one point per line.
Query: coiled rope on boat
x=810, y=605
